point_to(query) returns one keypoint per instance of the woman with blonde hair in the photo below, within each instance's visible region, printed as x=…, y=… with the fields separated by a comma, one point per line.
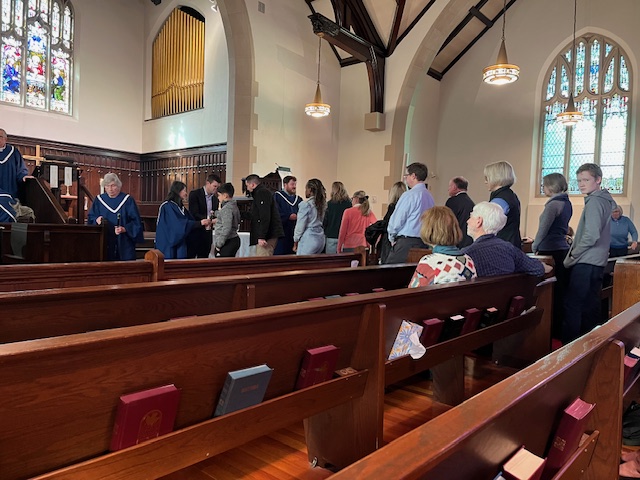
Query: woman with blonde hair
x=354, y=222
x=500, y=177
x=384, y=245
x=336, y=207
x=441, y=230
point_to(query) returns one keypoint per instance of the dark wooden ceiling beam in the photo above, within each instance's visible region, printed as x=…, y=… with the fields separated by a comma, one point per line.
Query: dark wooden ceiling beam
x=372, y=55
x=395, y=27
x=362, y=24
x=480, y=16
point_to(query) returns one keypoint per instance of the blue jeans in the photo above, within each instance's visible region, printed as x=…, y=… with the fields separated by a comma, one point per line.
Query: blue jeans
x=582, y=301
x=331, y=245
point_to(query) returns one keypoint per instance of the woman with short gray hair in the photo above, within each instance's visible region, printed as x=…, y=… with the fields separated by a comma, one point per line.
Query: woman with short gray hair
x=621, y=228
x=119, y=212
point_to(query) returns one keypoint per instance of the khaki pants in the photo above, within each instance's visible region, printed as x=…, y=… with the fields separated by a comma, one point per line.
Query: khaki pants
x=265, y=251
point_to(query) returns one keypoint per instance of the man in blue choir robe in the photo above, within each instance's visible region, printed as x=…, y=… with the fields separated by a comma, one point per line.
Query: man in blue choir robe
x=124, y=225
x=13, y=170
x=287, y=202
x=7, y=212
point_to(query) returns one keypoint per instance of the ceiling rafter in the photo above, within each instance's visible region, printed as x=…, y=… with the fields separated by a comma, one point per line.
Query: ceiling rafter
x=439, y=75
x=359, y=48
x=395, y=27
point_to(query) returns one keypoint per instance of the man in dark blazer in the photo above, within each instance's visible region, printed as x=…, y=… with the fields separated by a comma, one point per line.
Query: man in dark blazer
x=202, y=201
x=461, y=205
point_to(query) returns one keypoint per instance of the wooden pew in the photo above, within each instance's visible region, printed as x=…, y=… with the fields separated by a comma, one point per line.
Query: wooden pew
x=60, y=394
x=60, y=275
x=41, y=276
x=475, y=438
x=57, y=243
x=42, y=313
x=518, y=343
x=175, y=269
x=626, y=285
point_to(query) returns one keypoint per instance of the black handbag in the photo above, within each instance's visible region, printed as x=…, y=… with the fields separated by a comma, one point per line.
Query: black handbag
x=631, y=425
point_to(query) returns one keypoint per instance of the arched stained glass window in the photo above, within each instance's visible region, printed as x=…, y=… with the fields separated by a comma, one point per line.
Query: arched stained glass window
x=36, y=57
x=602, y=90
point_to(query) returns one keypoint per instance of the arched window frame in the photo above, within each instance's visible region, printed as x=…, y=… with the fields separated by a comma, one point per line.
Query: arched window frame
x=36, y=54
x=591, y=78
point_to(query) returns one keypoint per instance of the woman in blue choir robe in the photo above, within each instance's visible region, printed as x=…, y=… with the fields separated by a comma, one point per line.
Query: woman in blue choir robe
x=7, y=212
x=124, y=225
x=175, y=222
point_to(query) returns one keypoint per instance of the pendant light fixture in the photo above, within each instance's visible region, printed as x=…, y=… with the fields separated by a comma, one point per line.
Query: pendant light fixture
x=317, y=108
x=571, y=115
x=502, y=72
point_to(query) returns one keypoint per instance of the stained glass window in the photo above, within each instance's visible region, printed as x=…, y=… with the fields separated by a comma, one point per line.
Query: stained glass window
x=37, y=54
x=603, y=95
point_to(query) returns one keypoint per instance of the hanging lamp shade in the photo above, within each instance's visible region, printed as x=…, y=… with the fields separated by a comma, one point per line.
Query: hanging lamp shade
x=318, y=109
x=571, y=115
x=502, y=71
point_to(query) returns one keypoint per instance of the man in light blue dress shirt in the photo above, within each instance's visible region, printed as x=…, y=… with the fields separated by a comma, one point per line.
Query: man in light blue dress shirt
x=404, y=224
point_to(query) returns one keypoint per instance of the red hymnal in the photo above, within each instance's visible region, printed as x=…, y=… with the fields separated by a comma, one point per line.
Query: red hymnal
x=144, y=415
x=516, y=307
x=376, y=290
x=432, y=331
x=567, y=437
x=316, y=298
x=523, y=465
x=318, y=365
x=630, y=364
x=472, y=320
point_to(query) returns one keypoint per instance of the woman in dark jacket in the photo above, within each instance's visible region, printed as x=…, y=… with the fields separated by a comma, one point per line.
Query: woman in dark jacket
x=499, y=178
x=551, y=239
x=339, y=202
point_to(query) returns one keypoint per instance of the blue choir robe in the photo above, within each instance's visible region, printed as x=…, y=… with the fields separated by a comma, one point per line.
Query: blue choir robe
x=123, y=246
x=174, y=223
x=7, y=213
x=12, y=170
x=287, y=204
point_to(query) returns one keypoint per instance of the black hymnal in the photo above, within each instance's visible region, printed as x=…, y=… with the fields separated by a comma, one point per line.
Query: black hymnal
x=452, y=327
x=489, y=317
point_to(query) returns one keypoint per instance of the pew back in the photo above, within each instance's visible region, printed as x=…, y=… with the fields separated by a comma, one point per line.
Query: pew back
x=60, y=394
x=74, y=310
x=626, y=284
x=176, y=269
x=40, y=276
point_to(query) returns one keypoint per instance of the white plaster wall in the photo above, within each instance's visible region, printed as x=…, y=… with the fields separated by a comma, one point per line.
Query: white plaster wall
x=361, y=162
x=480, y=124
x=285, y=74
x=422, y=129
x=107, y=102
x=200, y=127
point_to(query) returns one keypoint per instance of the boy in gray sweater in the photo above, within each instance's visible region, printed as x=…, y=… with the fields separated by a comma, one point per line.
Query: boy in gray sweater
x=227, y=241
x=587, y=256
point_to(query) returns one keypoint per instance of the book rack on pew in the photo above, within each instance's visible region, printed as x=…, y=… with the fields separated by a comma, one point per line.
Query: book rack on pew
x=52, y=429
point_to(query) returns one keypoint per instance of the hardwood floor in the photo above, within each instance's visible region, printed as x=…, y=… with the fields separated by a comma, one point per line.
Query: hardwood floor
x=283, y=454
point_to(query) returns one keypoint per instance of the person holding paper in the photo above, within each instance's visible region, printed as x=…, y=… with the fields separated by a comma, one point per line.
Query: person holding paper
x=175, y=222
x=124, y=225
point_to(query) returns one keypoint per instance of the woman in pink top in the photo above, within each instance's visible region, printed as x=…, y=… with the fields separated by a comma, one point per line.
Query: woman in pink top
x=354, y=222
